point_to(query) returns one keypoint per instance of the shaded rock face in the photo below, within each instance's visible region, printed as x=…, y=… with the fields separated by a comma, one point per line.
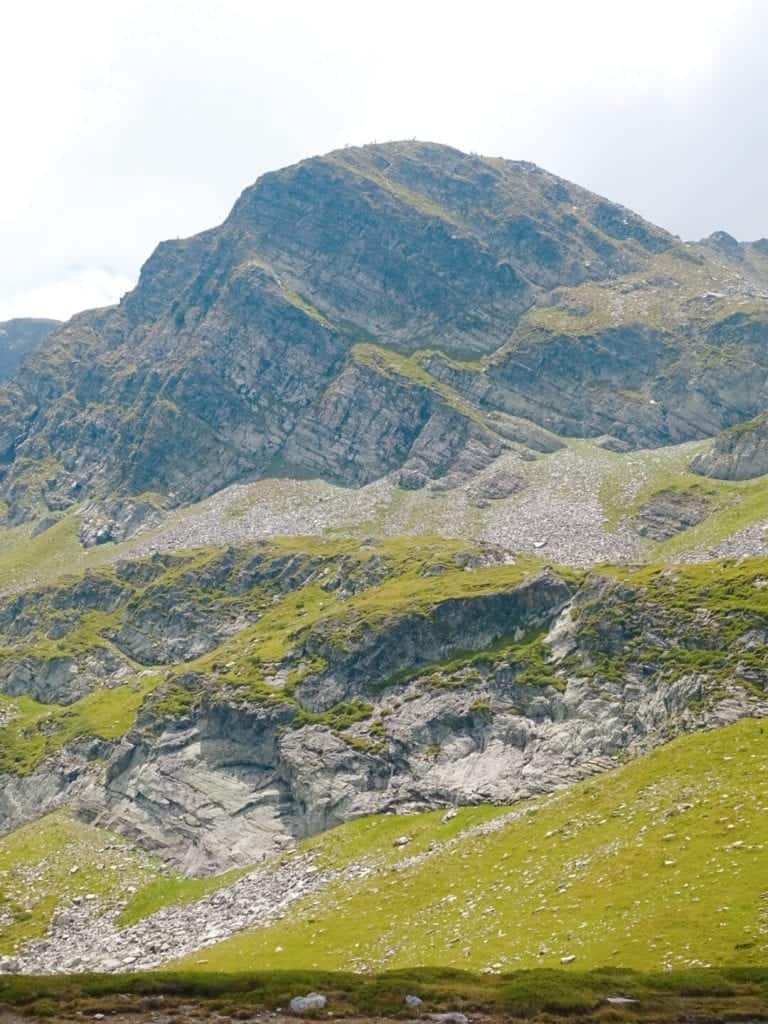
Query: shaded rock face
x=414, y=640
x=738, y=454
x=19, y=337
x=631, y=386
x=63, y=680
x=668, y=513
x=235, y=356
x=206, y=793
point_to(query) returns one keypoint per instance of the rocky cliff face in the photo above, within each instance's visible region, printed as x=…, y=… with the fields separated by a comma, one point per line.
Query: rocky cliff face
x=381, y=310
x=19, y=337
x=216, y=706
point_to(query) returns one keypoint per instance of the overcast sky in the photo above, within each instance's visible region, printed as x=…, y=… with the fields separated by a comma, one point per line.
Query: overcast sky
x=127, y=122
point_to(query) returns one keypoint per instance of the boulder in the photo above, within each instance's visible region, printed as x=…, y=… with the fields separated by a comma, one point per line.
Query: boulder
x=305, y=1004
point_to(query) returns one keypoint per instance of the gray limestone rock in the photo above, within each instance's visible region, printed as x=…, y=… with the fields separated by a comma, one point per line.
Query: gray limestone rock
x=737, y=454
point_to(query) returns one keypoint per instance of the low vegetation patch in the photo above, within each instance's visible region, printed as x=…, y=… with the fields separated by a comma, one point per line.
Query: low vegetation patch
x=726, y=994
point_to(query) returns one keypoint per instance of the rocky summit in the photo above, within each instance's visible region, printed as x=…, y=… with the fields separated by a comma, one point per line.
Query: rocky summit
x=402, y=308
x=384, y=581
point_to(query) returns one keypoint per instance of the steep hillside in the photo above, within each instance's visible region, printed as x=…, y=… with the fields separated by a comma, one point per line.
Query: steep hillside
x=675, y=351
x=402, y=311
x=19, y=337
x=216, y=705
x=657, y=865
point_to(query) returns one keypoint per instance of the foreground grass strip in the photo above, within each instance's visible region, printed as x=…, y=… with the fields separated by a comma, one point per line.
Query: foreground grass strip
x=729, y=994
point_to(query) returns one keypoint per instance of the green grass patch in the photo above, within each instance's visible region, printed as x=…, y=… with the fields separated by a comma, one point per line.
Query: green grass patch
x=35, y=730
x=173, y=890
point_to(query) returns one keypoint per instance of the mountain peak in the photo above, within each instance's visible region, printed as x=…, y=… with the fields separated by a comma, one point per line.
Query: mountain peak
x=358, y=314
x=722, y=240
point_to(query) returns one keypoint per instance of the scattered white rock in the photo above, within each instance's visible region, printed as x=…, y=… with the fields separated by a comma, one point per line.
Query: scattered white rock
x=9, y=965
x=304, y=1004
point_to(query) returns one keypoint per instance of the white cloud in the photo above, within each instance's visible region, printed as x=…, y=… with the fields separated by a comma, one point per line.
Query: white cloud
x=59, y=300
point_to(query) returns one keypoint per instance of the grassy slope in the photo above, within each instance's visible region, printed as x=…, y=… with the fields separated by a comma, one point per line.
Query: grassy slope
x=46, y=864
x=27, y=561
x=34, y=730
x=660, y=863
x=628, y=481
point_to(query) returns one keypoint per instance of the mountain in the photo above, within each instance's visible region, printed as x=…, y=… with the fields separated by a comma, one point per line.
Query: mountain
x=385, y=581
x=17, y=338
x=402, y=308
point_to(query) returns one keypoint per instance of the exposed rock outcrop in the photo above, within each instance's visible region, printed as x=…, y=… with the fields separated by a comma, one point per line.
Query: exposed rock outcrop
x=740, y=453
x=670, y=512
x=268, y=693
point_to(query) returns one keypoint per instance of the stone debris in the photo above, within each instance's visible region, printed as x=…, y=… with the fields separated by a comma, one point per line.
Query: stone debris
x=85, y=936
